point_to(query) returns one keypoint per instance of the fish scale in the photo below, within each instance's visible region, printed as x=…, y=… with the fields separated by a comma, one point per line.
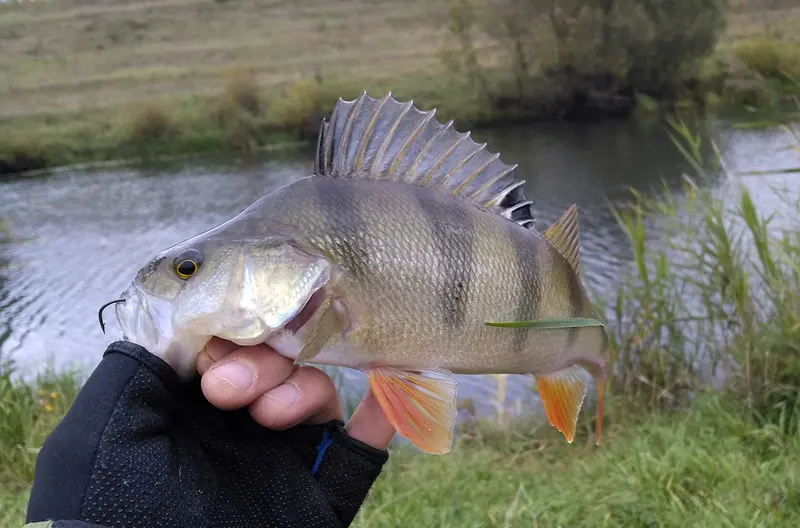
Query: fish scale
x=391, y=258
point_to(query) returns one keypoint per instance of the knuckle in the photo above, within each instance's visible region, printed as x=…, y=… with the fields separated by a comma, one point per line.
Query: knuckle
x=272, y=414
x=267, y=361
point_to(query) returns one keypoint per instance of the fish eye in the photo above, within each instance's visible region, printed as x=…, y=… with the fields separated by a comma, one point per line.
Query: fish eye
x=187, y=263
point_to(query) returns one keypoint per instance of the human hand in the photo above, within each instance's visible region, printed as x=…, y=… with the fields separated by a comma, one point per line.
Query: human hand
x=279, y=395
x=141, y=447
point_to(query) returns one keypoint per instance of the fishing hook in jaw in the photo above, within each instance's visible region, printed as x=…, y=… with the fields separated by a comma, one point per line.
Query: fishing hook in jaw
x=100, y=313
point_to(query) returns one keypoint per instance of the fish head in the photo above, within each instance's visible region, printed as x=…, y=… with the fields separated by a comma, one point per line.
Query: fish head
x=238, y=289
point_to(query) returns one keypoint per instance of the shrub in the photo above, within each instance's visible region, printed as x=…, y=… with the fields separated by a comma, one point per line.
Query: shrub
x=770, y=57
x=239, y=110
x=302, y=106
x=149, y=124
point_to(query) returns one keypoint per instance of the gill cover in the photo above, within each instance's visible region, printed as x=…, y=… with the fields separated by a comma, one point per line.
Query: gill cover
x=269, y=284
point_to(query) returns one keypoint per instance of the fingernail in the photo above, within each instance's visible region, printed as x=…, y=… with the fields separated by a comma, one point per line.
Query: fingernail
x=235, y=374
x=285, y=394
x=217, y=349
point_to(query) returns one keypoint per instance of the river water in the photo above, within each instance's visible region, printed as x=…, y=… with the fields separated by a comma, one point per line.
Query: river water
x=81, y=235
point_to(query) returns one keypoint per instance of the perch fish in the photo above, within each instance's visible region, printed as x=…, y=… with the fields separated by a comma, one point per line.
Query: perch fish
x=396, y=256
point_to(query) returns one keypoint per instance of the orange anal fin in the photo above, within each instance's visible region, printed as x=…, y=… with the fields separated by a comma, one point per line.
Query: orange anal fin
x=420, y=405
x=562, y=395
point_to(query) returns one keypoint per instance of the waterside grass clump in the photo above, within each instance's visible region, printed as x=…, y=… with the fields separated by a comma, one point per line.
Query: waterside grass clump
x=28, y=412
x=725, y=305
x=704, y=466
x=770, y=57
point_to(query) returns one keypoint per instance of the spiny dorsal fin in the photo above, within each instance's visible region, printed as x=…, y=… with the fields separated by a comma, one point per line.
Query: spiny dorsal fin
x=389, y=140
x=564, y=235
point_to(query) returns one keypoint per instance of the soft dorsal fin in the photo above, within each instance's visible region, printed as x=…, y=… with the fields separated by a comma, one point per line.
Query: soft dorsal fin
x=564, y=235
x=384, y=139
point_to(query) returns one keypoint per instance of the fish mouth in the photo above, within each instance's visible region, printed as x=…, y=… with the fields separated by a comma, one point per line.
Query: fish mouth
x=147, y=321
x=144, y=320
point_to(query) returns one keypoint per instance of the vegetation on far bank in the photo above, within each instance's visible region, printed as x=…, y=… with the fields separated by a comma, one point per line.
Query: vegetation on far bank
x=92, y=81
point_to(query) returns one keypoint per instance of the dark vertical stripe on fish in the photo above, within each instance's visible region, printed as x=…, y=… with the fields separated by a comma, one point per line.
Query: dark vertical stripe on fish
x=453, y=233
x=530, y=295
x=339, y=207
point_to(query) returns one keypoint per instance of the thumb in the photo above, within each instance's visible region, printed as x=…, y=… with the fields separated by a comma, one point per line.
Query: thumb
x=369, y=423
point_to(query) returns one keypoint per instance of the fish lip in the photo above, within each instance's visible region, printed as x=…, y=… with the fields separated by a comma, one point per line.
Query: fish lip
x=139, y=319
x=124, y=311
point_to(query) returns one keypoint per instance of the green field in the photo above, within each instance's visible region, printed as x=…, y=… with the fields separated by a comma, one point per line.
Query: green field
x=62, y=59
x=701, y=467
x=68, y=56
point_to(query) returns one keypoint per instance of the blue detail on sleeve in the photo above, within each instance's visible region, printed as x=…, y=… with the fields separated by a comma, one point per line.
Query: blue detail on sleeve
x=323, y=446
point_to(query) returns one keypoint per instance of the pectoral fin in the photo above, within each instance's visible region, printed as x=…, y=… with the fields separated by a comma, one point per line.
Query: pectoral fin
x=329, y=323
x=420, y=405
x=562, y=395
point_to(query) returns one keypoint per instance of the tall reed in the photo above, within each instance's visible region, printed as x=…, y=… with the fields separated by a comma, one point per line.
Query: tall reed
x=715, y=296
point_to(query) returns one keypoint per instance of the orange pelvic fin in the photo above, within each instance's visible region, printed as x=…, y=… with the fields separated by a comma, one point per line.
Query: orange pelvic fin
x=420, y=404
x=562, y=395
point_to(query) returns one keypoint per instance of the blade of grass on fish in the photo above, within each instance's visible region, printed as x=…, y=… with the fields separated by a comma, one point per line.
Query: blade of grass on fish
x=569, y=322
x=788, y=170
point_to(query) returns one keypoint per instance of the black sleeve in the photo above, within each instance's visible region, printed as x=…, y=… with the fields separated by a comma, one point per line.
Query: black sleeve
x=140, y=449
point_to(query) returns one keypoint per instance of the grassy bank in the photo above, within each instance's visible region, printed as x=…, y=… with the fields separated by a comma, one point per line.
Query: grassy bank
x=700, y=467
x=94, y=81
x=27, y=415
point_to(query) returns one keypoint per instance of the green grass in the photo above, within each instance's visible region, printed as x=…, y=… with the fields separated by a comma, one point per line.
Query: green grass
x=700, y=467
x=28, y=412
x=187, y=125
x=706, y=465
